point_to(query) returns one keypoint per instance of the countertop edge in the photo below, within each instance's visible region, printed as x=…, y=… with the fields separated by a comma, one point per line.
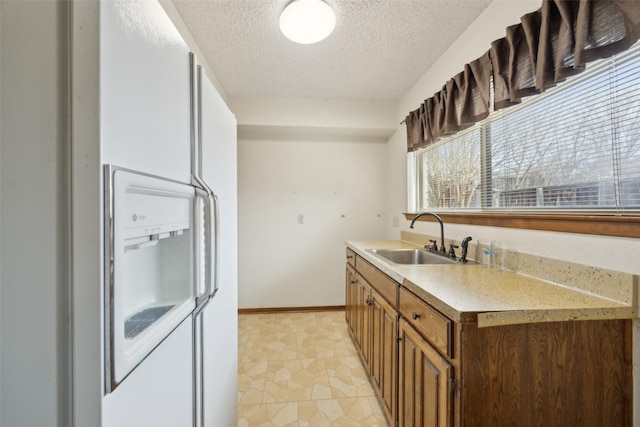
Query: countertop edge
x=490, y=319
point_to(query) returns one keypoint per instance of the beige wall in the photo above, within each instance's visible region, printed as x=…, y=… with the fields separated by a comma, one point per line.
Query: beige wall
x=335, y=185
x=324, y=160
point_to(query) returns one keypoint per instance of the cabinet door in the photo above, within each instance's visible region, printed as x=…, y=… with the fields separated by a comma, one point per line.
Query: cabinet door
x=425, y=393
x=363, y=314
x=351, y=293
x=384, y=352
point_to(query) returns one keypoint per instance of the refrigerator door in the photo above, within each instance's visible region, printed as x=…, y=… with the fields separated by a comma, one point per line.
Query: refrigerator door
x=144, y=90
x=159, y=392
x=218, y=160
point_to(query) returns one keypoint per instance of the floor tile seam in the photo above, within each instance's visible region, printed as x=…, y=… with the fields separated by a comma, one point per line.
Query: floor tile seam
x=269, y=346
x=327, y=399
x=300, y=355
x=258, y=388
x=247, y=405
x=280, y=402
x=252, y=328
x=290, y=329
x=364, y=396
x=318, y=377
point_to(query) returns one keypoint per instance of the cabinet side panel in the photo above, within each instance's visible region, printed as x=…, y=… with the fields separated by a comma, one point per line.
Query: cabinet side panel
x=561, y=373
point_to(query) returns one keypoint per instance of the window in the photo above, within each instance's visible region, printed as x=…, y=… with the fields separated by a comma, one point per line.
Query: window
x=575, y=147
x=449, y=172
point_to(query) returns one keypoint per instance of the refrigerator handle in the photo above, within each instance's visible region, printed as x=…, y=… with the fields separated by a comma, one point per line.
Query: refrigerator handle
x=195, y=119
x=216, y=242
x=198, y=371
x=211, y=222
x=204, y=248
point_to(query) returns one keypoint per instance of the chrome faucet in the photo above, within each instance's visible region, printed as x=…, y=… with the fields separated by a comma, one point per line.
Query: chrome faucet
x=442, y=246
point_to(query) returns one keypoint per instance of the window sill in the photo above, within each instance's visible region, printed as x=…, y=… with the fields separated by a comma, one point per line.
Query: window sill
x=598, y=224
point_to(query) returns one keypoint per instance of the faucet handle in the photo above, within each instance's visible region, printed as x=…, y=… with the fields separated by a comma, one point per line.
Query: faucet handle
x=452, y=252
x=432, y=247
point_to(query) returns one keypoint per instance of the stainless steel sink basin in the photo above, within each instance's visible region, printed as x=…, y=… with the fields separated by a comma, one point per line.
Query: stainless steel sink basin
x=412, y=256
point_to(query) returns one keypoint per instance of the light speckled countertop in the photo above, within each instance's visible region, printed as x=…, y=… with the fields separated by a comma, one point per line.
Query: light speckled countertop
x=469, y=292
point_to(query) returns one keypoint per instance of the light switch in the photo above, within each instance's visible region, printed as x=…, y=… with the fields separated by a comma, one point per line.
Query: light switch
x=300, y=219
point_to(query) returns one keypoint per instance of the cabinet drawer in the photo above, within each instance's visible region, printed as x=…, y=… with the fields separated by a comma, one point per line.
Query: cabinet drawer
x=351, y=257
x=430, y=323
x=379, y=281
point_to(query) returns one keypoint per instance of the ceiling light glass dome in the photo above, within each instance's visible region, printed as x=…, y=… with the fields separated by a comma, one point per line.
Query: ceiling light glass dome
x=307, y=21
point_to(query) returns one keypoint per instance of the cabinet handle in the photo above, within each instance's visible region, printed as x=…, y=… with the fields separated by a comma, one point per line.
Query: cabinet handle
x=368, y=302
x=354, y=281
x=415, y=316
x=349, y=256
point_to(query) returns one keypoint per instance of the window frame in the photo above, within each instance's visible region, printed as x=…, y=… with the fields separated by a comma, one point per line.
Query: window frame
x=615, y=225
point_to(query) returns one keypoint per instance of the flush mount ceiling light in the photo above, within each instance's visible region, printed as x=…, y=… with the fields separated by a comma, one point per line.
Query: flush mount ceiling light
x=307, y=21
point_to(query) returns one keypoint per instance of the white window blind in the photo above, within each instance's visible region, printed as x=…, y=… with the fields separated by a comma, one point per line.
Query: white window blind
x=576, y=146
x=450, y=172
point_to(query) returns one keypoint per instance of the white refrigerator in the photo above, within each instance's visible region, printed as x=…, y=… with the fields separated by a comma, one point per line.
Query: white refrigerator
x=87, y=84
x=157, y=118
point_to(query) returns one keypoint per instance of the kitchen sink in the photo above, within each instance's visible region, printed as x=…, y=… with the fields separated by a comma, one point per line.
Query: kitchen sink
x=412, y=257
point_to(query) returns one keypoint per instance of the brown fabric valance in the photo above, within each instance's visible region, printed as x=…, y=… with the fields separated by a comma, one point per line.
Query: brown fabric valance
x=545, y=48
x=462, y=101
x=413, y=123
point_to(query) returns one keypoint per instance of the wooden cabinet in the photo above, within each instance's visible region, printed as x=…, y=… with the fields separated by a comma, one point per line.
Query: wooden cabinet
x=373, y=324
x=574, y=373
x=426, y=375
x=444, y=371
x=384, y=352
x=425, y=382
x=351, y=258
x=363, y=318
x=435, y=327
x=351, y=292
x=358, y=308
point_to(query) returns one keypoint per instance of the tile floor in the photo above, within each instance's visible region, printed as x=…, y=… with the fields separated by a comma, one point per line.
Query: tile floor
x=301, y=369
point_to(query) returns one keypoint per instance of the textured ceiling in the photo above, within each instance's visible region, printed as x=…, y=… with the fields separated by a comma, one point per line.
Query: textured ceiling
x=378, y=50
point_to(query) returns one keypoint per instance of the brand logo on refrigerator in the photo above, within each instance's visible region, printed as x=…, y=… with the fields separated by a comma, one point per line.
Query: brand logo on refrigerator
x=136, y=217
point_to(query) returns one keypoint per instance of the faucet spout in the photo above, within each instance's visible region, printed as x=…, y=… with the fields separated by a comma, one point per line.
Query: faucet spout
x=437, y=217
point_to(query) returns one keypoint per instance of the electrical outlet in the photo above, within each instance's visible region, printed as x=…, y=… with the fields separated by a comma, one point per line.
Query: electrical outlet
x=300, y=219
x=396, y=223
